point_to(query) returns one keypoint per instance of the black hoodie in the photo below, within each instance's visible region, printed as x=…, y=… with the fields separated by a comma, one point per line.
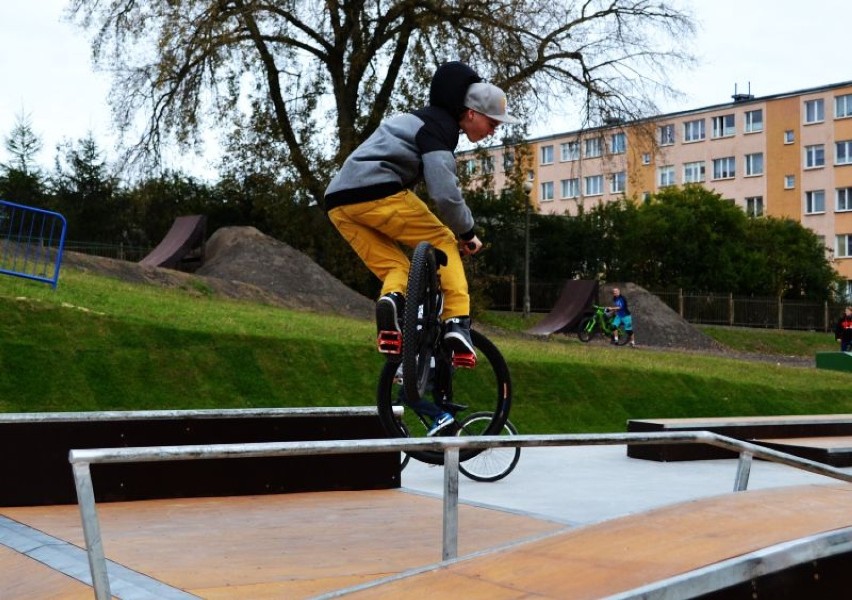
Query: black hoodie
x=413, y=146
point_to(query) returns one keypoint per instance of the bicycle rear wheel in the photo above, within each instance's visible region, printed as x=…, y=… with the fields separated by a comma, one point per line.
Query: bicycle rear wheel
x=492, y=464
x=623, y=338
x=587, y=329
x=487, y=388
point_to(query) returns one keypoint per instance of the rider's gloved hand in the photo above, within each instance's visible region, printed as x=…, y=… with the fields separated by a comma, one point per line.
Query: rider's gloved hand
x=471, y=246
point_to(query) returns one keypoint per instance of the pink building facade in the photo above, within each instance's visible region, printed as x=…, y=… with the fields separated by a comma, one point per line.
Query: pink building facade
x=786, y=155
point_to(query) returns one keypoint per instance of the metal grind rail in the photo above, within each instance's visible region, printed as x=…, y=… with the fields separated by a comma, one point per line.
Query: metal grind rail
x=82, y=459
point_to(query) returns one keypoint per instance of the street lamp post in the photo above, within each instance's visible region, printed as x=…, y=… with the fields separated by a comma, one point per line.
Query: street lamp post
x=527, y=191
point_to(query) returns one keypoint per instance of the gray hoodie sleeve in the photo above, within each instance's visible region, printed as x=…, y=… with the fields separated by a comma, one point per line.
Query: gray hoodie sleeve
x=442, y=184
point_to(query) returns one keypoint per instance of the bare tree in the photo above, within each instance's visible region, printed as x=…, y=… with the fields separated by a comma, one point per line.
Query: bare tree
x=312, y=79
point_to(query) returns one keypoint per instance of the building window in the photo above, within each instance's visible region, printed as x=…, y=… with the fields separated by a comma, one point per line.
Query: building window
x=724, y=168
x=618, y=183
x=470, y=166
x=646, y=158
x=814, y=202
x=814, y=156
x=570, y=187
x=754, y=121
x=789, y=182
x=843, y=199
x=666, y=175
x=546, y=191
x=843, y=106
x=667, y=135
x=789, y=136
x=546, y=155
x=754, y=206
x=570, y=151
x=754, y=164
x=593, y=147
x=815, y=111
x=508, y=161
x=843, y=153
x=693, y=131
x=843, y=248
x=724, y=126
x=694, y=172
x=487, y=164
x=594, y=185
x=618, y=143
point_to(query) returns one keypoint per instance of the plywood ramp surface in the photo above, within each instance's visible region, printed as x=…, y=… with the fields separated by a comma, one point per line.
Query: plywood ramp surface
x=626, y=553
x=281, y=546
x=23, y=578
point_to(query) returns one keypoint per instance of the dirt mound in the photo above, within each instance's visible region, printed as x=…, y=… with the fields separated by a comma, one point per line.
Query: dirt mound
x=136, y=273
x=244, y=254
x=244, y=264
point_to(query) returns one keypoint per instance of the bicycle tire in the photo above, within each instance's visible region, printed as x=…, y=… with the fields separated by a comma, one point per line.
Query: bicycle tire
x=492, y=464
x=421, y=322
x=404, y=457
x=486, y=388
x=587, y=329
x=622, y=336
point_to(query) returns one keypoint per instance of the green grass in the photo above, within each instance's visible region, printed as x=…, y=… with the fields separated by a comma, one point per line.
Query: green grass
x=100, y=344
x=773, y=341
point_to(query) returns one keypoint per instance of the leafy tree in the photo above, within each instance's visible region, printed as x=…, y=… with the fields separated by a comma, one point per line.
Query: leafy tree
x=688, y=237
x=85, y=191
x=317, y=78
x=789, y=261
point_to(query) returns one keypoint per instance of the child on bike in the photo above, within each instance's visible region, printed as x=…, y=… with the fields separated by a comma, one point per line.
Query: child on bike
x=622, y=316
x=371, y=203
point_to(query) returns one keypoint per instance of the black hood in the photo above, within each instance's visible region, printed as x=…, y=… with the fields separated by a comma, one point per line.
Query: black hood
x=449, y=87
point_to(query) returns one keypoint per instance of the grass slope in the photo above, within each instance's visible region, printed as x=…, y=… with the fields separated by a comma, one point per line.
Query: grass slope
x=100, y=344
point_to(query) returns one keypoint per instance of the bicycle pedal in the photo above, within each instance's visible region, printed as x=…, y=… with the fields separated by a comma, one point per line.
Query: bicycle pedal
x=464, y=360
x=389, y=342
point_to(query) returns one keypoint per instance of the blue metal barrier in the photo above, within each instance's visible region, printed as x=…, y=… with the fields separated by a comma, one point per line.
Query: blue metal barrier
x=31, y=242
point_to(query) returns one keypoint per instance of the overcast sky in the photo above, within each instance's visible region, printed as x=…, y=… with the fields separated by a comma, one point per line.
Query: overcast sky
x=776, y=46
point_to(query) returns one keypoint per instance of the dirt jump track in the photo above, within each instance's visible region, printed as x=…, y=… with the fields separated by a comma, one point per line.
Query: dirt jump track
x=243, y=263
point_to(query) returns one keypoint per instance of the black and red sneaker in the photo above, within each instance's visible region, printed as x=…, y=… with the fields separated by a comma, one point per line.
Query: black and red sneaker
x=389, y=309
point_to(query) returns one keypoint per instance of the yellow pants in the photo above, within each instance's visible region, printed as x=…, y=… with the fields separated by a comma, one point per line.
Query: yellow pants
x=375, y=229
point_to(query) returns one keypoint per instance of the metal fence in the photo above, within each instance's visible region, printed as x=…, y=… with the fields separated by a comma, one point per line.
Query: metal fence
x=741, y=311
x=120, y=251
x=81, y=460
x=31, y=242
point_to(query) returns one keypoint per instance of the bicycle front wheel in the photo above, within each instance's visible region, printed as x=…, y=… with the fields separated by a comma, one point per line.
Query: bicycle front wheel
x=421, y=323
x=486, y=388
x=492, y=464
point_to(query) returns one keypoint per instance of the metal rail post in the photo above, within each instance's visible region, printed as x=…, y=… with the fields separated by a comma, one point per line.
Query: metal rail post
x=451, y=504
x=743, y=471
x=91, y=530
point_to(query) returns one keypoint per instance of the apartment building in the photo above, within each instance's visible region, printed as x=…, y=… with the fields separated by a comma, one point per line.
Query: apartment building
x=785, y=155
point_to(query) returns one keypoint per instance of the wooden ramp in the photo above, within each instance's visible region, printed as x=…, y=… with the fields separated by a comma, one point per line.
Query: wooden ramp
x=307, y=545
x=751, y=429
x=835, y=451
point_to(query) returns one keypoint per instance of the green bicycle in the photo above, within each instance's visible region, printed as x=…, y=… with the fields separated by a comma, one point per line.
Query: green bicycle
x=600, y=322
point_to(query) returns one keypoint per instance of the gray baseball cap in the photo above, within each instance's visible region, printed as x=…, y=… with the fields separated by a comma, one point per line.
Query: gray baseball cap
x=489, y=100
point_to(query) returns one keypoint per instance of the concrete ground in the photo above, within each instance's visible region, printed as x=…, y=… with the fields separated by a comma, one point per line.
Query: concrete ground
x=581, y=485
